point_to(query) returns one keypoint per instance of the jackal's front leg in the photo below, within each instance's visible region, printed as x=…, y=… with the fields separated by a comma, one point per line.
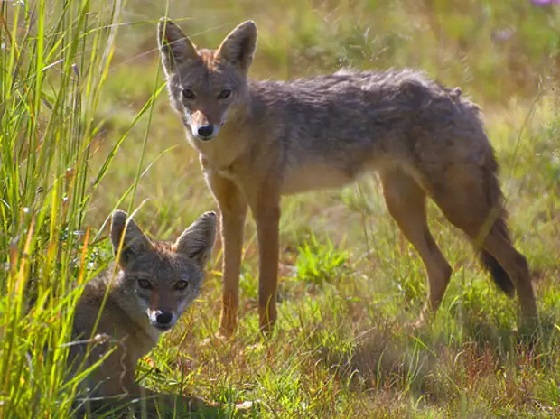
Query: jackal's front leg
x=267, y=215
x=233, y=211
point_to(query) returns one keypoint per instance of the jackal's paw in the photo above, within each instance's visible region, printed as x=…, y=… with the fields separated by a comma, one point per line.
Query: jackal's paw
x=228, y=326
x=223, y=336
x=215, y=340
x=422, y=320
x=419, y=323
x=528, y=329
x=267, y=328
x=225, y=333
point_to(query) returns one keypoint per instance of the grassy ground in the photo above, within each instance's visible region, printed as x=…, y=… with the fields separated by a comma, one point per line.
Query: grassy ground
x=349, y=281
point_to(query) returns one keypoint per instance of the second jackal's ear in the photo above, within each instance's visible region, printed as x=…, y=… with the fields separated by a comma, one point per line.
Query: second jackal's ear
x=196, y=241
x=239, y=46
x=174, y=46
x=134, y=241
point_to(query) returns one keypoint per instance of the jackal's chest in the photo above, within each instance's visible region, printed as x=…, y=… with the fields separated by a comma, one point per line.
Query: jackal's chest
x=223, y=165
x=225, y=170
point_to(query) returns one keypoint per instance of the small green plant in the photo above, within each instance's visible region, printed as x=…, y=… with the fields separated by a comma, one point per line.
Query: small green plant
x=317, y=263
x=247, y=282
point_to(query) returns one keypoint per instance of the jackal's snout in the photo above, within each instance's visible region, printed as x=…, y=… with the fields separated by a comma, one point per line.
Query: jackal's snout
x=162, y=320
x=201, y=126
x=206, y=132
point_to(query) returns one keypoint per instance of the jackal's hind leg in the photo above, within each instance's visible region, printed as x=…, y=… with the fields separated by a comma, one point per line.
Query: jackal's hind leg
x=515, y=264
x=406, y=202
x=470, y=198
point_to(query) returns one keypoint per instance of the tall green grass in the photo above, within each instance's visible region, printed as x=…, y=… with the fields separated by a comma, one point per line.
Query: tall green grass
x=54, y=60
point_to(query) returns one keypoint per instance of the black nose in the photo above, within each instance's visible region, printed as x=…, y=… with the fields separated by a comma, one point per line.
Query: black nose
x=205, y=130
x=164, y=317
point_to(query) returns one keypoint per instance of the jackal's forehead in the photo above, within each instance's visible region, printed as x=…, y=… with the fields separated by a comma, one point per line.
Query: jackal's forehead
x=208, y=73
x=164, y=266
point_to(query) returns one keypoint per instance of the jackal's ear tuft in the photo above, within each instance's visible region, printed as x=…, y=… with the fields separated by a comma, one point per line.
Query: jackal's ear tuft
x=134, y=240
x=196, y=241
x=174, y=46
x=239, y=46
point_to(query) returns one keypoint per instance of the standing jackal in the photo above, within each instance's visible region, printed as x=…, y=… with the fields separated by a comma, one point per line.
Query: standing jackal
x=258, y=140
x=153, y=283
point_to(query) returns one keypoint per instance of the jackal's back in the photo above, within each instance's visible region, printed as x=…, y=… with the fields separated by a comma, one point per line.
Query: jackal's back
x=351, y=121
x=357, y=107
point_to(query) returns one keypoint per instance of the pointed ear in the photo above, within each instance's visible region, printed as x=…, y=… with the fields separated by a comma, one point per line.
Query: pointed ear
x=174, y=46
x=134, y=241
x=196, y=241
x=239, y=46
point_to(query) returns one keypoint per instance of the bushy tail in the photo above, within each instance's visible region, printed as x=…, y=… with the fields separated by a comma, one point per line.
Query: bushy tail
x=499, y=275
x=495, y=198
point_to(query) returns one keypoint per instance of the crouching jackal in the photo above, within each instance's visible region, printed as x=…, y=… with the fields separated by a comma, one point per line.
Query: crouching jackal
x=258, y=140
x=136, y=300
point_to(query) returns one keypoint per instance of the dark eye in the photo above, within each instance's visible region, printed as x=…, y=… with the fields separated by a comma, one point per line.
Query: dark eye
x=188, y=94
x=181, y=285
x=224, y=94
x=144, y=284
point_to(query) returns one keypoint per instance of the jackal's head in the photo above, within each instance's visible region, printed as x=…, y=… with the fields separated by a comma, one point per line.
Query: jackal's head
x=162, y=279
x=206, y=85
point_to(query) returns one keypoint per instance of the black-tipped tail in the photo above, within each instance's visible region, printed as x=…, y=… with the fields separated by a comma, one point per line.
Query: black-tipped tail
x=499, y=275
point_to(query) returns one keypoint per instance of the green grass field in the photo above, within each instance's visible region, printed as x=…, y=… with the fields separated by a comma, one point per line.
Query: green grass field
x=86, y=128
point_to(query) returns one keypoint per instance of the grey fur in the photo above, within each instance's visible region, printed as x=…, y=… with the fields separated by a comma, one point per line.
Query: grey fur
x=197, y=240
x=126, y=299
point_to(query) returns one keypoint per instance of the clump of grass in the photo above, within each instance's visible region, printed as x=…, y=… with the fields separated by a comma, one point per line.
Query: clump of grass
x=317, y=263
